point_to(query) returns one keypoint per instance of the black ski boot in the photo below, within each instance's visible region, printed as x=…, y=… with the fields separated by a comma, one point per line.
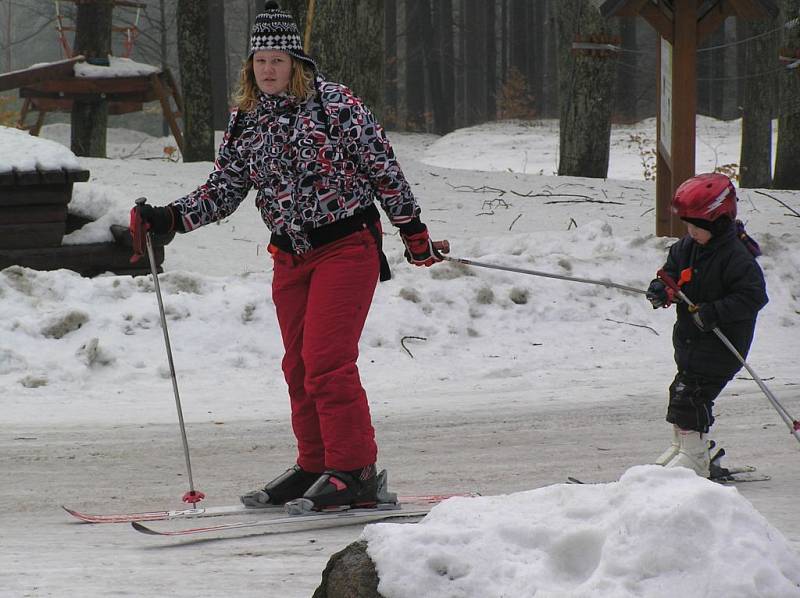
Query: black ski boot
x=342, y=490
x=291, y=484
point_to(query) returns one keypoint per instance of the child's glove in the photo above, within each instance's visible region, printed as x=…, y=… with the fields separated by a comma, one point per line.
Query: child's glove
x=659, y=294
x=419, y=249
x=705, y=316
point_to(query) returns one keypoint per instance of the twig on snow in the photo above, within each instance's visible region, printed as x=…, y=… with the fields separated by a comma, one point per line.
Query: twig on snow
x=791, y=209
x=403, y=343
x=653, y=330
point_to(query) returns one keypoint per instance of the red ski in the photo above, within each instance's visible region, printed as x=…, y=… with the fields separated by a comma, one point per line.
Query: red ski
x=419, y=500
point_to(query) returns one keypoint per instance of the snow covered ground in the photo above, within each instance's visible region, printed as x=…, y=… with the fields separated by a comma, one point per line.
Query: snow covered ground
x=512, y=383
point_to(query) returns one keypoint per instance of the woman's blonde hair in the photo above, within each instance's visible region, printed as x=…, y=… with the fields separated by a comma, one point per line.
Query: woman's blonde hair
x=301, y=85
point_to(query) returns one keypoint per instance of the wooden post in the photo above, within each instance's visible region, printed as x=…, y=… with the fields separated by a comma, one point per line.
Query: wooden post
x=684, y=103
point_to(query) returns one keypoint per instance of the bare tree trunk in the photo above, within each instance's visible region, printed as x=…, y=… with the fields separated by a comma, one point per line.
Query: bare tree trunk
x=587, y=85
x=163, y=50
x=626, y=95
x=518, y=36
x=390, y=107
x=475, y=61
x=538, y=50
x=550, y=90
x=193, y=55
x=347, y=42
x=443, y=19
x=755, y=164
x=787, y=158
x=442, y=121
x=218, y=64
x=503, y=40
x=491, y=62
x=710, y=75
x=719, y=86
x=415, y=66
x=460, y=64
x=90, y=116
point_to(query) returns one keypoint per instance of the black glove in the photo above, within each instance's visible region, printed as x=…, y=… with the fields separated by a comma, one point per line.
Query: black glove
x=705, y=316
x=659, y=294
x=157, y=219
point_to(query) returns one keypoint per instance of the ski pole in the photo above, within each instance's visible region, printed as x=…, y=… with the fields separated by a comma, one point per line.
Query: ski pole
x=442, y=247
x=192, y=496
x=793, y=424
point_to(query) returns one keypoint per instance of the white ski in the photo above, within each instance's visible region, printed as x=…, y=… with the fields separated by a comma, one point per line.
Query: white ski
x=306, y=521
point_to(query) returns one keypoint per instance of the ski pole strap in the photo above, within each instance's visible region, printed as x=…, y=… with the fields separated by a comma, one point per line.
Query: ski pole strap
x=138, y=229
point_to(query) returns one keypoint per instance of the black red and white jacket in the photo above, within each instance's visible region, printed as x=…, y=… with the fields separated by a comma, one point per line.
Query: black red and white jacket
x=313, y=162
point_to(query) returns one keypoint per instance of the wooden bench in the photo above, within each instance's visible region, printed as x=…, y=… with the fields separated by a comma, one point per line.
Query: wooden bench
x=33, y=206
x=34, y=219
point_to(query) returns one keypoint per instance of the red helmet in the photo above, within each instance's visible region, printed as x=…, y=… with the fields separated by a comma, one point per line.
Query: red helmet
x=705, y=197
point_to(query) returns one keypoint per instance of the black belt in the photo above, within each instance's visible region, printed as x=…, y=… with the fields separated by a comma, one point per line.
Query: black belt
x=367, y=218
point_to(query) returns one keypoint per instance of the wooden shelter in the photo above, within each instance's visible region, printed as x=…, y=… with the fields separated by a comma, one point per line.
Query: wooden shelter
x=682, y=25
x=53, y=87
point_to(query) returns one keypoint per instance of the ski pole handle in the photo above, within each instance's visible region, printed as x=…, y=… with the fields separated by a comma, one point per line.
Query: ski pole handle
x=667, y=280
x=137, y=227
x=440, y=247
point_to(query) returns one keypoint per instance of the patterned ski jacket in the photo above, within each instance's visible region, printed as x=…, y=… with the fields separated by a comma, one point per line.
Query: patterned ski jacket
x=313, y=163
x=726, y=275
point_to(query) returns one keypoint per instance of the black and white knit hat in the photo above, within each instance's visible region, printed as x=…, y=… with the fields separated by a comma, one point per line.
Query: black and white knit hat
x=275, y=29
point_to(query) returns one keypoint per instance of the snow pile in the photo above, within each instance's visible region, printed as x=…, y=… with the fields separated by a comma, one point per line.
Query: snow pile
x=655, y=533
x=21, y=151
x=103, y=206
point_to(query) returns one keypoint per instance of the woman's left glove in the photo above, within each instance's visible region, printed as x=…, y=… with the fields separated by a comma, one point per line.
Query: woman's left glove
x=419, y=248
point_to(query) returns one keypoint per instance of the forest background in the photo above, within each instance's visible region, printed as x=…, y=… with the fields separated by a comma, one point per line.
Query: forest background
x=440, y=65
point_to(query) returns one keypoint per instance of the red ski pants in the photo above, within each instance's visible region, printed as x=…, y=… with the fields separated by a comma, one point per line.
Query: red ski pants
x=322, y=298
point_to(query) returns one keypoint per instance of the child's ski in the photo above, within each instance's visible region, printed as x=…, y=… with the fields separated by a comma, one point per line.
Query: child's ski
x=723, y=475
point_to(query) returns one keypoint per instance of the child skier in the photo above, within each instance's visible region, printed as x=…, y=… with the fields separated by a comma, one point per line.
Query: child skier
x=715, y=267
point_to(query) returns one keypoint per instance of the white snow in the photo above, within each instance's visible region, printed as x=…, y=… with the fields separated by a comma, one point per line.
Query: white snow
x=655, y=532
x=515, y=382
x=21, y=151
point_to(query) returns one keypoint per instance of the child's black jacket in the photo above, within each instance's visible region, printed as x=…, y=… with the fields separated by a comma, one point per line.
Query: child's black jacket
x=725, y=274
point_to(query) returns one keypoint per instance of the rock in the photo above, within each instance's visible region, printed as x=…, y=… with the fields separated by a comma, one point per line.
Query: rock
x=350, y=573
